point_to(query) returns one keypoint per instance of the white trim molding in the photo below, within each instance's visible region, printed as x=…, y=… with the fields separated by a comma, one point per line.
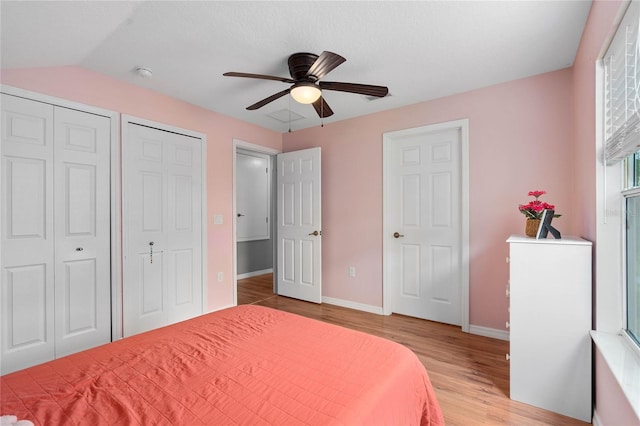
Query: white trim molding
x=494, y=333
x=254, y=273
x=353, y=305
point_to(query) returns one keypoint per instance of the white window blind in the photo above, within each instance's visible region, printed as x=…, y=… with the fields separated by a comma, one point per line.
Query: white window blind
x=622, y=89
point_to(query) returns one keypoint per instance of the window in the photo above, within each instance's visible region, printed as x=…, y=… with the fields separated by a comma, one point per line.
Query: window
x=632, y=245
x=621, y=66
x=632, y=171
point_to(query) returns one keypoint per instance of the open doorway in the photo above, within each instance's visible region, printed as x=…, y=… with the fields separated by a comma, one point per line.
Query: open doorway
x=255, y=289
x=254, y=212
x=253, y=216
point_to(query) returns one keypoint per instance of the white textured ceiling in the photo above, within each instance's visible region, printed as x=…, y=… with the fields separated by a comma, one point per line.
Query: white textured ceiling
x=421, y=50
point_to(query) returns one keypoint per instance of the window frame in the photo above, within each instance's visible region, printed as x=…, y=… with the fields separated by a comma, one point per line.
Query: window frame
x=613, y=346
x=620, y=103
x=631, y=189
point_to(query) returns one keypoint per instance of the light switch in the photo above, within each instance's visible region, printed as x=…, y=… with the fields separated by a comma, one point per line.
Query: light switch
x=217, y=219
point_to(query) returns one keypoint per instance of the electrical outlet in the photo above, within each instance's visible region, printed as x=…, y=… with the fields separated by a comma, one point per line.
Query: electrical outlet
x=220, y=277
x=352, y=271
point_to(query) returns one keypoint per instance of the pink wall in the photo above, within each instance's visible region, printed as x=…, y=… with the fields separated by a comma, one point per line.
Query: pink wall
x=520, y=140
x=611, y=405
x=600, y=26
x=90, y=88
x=507, y=140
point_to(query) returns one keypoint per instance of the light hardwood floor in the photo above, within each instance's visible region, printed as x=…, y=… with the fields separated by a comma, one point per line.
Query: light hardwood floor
x=469, y=373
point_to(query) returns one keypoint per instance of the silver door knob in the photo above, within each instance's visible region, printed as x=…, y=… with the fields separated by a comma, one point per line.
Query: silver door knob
x=397, y=235
x=315, y=233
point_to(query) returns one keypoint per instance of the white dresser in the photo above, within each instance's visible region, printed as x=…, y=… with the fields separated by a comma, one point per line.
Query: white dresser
x=550, y=320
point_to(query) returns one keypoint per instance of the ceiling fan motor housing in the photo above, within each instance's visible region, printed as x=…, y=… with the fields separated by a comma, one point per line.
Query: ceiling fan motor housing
x=299, y=64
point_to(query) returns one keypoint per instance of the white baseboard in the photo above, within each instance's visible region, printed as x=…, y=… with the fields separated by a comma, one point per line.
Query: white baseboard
x=254, y=273
x=596, y=420
x=473, y=329
x=353, y=305
x=219, y=308
x=489, y=332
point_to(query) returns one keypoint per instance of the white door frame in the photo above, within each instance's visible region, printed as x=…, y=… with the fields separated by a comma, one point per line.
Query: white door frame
x=118, y=293
x=240, y=144
x=463, y=127
x=115, y=183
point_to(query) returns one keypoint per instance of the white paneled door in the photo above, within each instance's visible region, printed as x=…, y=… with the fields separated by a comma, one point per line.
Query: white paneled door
x=55, y=232
x=423, y=223
x=82, y=230
x=299, y=256
x=162, y=186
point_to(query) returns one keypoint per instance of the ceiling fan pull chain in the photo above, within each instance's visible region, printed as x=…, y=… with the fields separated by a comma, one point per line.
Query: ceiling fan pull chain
x=289, y=114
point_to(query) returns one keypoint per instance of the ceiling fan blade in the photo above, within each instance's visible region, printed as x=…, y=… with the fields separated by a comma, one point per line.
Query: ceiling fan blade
x=265, y=101
x=326, y=62
x=260, y=76
x=322, y=108
x=362, y=89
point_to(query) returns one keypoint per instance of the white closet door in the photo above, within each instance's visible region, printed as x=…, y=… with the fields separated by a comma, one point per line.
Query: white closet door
x=27, y=234
x=82, y=229
x=55, y=232
x=162, y=224
x=184, y=231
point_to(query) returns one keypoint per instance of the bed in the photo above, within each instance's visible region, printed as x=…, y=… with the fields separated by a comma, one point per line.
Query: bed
x=243, y=365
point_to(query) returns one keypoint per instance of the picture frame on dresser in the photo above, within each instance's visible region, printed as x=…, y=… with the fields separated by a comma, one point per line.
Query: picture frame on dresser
x=545, y=226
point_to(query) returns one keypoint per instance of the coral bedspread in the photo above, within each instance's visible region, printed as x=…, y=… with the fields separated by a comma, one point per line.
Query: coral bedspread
x=243, y=365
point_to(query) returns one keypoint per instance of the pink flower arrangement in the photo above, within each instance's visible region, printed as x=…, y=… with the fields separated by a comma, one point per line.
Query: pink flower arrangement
x=534, y=209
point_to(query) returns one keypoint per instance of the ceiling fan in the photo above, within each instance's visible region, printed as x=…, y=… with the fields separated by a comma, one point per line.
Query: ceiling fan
x=306, y=70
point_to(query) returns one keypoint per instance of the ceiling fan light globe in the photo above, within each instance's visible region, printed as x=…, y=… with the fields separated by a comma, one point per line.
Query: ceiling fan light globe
x=305, y=93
